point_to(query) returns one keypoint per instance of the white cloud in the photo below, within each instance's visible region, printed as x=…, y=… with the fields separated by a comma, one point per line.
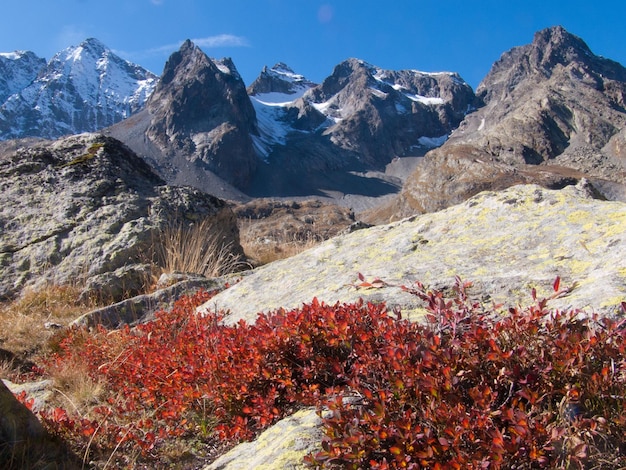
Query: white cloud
x=156, y=2
x=221, y=40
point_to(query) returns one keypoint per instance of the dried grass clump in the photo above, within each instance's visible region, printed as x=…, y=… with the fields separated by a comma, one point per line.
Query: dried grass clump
x=199, y=248
x=27, y=323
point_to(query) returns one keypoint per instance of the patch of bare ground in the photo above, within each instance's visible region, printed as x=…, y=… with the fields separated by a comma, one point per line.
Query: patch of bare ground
x=270, y=230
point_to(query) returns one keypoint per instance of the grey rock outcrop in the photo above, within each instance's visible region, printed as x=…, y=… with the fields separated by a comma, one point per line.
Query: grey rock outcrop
x=197, y=124
x=505, y=242
x=553, y=112
x=141, y=308
x=86, y=209
x=81, y=89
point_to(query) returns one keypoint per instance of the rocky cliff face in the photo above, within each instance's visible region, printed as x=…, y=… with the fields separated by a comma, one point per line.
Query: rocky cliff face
x=359, y=119
x=287, y=136
x=86, y=209
x=83, y=88
x=197, y=124
x=382, y=114
x=552, y=113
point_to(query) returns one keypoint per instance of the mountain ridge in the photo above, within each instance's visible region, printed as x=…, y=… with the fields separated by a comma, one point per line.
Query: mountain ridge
x=347, y=137
x=82, y=88
x=552, y=113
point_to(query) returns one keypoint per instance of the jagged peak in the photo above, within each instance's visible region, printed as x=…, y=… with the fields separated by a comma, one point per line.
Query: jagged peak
x=94, y=43
x=190, y=55
x=281, y=67
x=17, y=55
x=555, y=45
x=551, y=47
x=280, y=79
x=558, y=36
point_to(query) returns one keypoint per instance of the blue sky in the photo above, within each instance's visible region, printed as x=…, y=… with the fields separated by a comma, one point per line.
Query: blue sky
x=313, y=36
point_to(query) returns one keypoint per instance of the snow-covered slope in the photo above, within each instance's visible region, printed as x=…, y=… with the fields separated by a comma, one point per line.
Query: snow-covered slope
x=17, y=70
x=272, y=94
x=82, y=88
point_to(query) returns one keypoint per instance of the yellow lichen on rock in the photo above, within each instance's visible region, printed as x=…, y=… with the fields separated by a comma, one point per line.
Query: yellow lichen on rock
x=281, y=447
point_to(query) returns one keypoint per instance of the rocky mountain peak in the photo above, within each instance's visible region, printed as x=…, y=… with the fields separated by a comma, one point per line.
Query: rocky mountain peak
x=551, y=50
x=280, y=79
x=189, y=72
x=82, y=88
x=189, y=56
x=552, y=113
x=200, y=112
x=349, y=70
x=93, y=46
x=557, y=46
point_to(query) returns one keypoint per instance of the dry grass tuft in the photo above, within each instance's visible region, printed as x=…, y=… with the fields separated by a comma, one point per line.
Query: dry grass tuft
x=27, y=323
x=198, y=248
x=6, y=369
x=76, y=389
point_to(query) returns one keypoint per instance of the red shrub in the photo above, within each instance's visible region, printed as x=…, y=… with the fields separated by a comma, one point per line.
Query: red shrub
x=470, y=388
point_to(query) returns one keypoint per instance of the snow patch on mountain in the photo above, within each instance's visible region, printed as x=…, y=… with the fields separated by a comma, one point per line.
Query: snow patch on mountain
x=271, y=124
x=331, y=109
x=384, y=77
x=432, y=142
x=10, y=55
x=271, y=94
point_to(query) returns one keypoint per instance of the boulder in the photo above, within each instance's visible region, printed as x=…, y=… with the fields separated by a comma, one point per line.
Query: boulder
x=85, y=209
x=283, y=446
x=506, y=243
x=24, y=443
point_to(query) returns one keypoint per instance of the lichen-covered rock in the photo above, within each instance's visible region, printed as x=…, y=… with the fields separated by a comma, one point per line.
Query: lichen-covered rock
x=281, y=447
x=505, y=242
x=87, y=209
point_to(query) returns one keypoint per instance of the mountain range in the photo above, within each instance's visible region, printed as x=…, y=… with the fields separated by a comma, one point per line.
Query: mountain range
x=82, y=88
x=550, y=112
